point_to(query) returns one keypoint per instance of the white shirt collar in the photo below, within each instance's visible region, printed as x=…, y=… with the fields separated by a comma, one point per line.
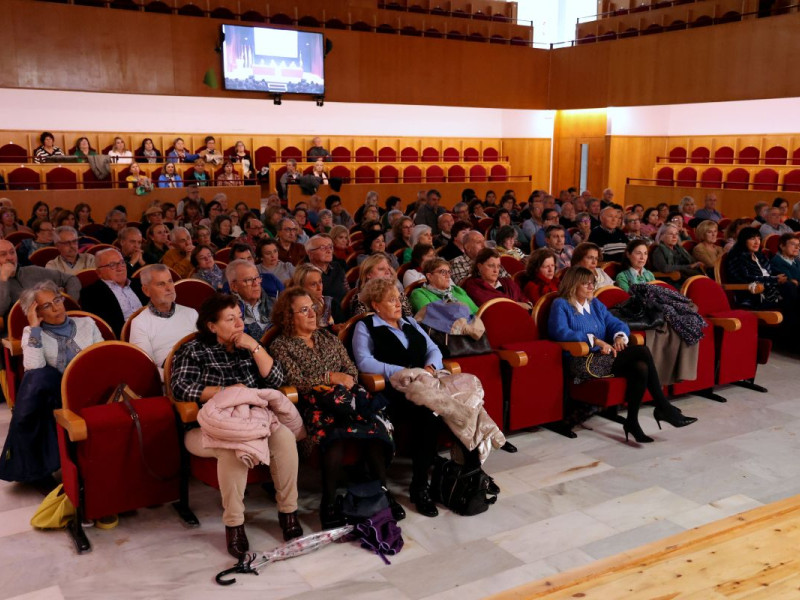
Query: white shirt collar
x=584, y=308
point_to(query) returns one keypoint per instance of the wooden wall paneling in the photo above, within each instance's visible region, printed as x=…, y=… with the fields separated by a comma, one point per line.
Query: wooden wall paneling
x=529, y=156
x=573, y=128
x=633, y=156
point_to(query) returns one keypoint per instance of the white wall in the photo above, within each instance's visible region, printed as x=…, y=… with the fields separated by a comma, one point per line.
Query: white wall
x=773, y=116
x=76, y=111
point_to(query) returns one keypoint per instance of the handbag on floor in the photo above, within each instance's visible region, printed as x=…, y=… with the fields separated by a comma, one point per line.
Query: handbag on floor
x=463, y=490
x=55, y=511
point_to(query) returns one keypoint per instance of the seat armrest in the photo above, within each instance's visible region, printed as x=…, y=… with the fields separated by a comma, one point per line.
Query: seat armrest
x=452, y=366
x=516, y=358
x=725, y=323
x=636, y=339
x=372, y=381
x=187, y=411
x=770, y=317
x=74, y=425
x=575, y=348
x=673, y=275
x=743, y=287
x=290, y=392
x=14, y=346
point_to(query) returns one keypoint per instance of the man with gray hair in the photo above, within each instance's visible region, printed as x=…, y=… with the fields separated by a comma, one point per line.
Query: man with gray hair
x=290, y=177
x=245, y=283
x=114, y=223
x=68, y=259
x=461, y=266
x=289, y=250
x=113, y=297
x=14, y=279
x=130, y=243
x=164, y=322
x=320, y=254
x=178, y=258
x=608, y=236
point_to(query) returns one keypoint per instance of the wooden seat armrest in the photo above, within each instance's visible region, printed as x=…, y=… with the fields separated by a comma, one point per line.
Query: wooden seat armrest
x=187, y=411
x=770, y=317
x=74, y=425
x=14, y=346
x=673, y=275
x=516, y=358
x=372, y=381
x=290, y=392
x=452, y=366
x=636, y=339
x=743, y=287
x=575, y=348
x=725, y=323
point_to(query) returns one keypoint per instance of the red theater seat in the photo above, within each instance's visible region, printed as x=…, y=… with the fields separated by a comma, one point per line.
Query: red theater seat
x=387, y=154
x=292, y=152
x=409, y=154
x=711, y=178
x=340, y=154
x=477, y=173
x=341, y=172
x=412, y=174
x=498, y=173
x=490, y=154
x=192, y=292
x=434, y=174
x=738, y=179
x=451, y=155
x=12, y=153
x=430, y=154
x=471, y=154
x=749, y=155
x=686, y=177
x=365, y=174
x=777, y=155
x=23, y=178
x=700, y=155
x=364, y=154
x=791, y=181
x=265, y=155
x=724, y=155
x=456, y=174
x=766, y=179
x=389, y=174
x=677, y=155
x=665, y=176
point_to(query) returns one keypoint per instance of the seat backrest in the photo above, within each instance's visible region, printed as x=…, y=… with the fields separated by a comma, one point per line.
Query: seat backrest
x=16, y=322
x=97, y=247
x=707, y=294
x=105, y=329
x=511, y=264
x=269, y=336
x=125, y=334
x=541, y=313
x=192, y=292
x=169, y=360
x=17, y=236
x=506, y=322
x=42, y=256
x=93, y=374
x=611, y=295
x=346, y=332
x=87, y=277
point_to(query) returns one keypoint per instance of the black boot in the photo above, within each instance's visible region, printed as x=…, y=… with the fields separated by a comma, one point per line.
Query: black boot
x=237, y=541
x=398, y=512
x=421, y=497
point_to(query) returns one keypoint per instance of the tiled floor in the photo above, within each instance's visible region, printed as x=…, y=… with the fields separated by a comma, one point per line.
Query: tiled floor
x=564, y=503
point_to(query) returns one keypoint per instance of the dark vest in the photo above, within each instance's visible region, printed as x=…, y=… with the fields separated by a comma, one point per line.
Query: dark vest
x=388, y=349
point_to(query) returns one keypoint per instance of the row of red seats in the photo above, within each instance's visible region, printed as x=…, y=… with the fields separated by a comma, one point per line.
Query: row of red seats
x=725, y=155
x=736, y=179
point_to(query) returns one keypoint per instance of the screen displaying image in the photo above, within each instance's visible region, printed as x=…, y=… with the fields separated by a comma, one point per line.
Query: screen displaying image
x=276, y=61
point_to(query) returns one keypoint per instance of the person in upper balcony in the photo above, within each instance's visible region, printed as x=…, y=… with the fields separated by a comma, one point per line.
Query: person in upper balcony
x=179, y=154
x=318, y=151
x=47, y=148
x=210, y=154
x=119, y=153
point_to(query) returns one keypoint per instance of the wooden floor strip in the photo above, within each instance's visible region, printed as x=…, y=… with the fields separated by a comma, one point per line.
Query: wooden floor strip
x=750, y=556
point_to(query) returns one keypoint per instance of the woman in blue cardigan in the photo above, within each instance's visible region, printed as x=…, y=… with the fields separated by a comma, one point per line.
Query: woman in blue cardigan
x=576, y=316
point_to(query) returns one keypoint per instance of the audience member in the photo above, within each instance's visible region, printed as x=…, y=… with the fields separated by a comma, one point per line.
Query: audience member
x=335, y=408
x=47, y=148
x=209, y=153
x=244, y=282
x=317, y=151
x=304, y=231
x=130, y=244
x=288, y=249
x=325, y=222
x=179, y=154
x=223, y=356
x=341, y=243
x=540, y=274
x=732, y=232
x=50, y=341
x=533, y=224
x=794, y=221
x=401, y=234
x=374, y=243
x=761, y=209
x=461, y=212
x=327, y=310
x=229, y=176
x=83, y=214
x=568, y=214
x=83, y=149
x=420, y=234
x=269, y=261
x=577, y=316
x=8, y=220
x=773, y=226
x=428, y=212
x=506, y=239
x=222, y=231
x=611, y=240
x=485, y=282
x=320, y=254
x=154, y=215
x=649, y=225
x=549, y=219
x=461, y=266
x=588, y=255
x=113, y=297
x=63, y=218
x=137, y=180
x=709, y=211
x=205, y=268
x=633, y=228
x=747, y=264
x=706, y=250
x=253, y=231
x=197, y=176
x=378, y=266
x=43, y=230
x=633, y=267
x=68, y=260
x=555, y=241
x=420, y=254
x=340, y=216
x=164, y=322
x=786, y=261
x=783, y=205
x=148, y=153
x=39, y=212
x=439, y=287
x=290, y=177
x=169, y=177
x=444, y=224
x=686, y=208
x=178, y=258
x=670, y=256
x=157, y=243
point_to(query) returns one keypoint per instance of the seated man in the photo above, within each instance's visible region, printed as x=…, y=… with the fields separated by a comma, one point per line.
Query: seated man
x=271, y=285
x=210, y=153
x=773, y=226
x=461, y=266
x=320, y=254
x=178, y=258
x=114, y=223
x=162, y=325
x=709, y=211
x=549, y=219
x=555, y=240
x=633, y=228
x=445, y=224
x=318, y=151
x=610, y=239
x=290, y=177
x=113, y=297
x=288, y=248
x=130, y=242
x=69, y=261
x=43, y=230
x=13, y=279
x=152, y=216
x=245, y=284
x=253, y=231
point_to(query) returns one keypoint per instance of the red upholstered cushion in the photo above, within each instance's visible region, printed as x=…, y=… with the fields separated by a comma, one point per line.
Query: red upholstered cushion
x=486, y=367
x=507, y=322
x=115, y=478
x=737, y=350
x=600, y=392
x=537, y=389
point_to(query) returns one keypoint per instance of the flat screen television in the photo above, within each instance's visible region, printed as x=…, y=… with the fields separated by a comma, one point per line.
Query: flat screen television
x=275, y=61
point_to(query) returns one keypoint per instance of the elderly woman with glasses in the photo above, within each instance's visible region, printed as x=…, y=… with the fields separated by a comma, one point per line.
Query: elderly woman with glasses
x=378, y=266
x=334, y=406
x=669, y=255
x=49, y=342
x=485, y=282
x=439, y=287
x=577, y=316
x=309, y=277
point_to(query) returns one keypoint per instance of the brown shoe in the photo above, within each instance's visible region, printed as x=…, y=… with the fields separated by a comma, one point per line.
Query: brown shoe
x=290, y=525
x=237, y=541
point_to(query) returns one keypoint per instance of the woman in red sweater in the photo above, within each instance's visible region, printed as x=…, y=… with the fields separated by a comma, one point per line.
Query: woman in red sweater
x=540, y=273
x=485, y=282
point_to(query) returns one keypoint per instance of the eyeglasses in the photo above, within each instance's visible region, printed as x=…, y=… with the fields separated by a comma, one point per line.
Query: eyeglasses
x=395, y=300
x=289, y=229
x=589, y=284
x=251, y=280
x=304, y=310
x=68, y=242
x=632, y=221
x=326, y=247
x=442, y=272
x=57, y=301
x=256, y=227
x=113, y=265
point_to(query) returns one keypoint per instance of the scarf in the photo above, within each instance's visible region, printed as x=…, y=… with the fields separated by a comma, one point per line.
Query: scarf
x=64, y=335
x=162, y=315
x=446, y=295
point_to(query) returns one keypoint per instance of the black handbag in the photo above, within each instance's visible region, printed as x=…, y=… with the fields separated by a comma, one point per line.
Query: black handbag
x=637, y=315
x=458, y=345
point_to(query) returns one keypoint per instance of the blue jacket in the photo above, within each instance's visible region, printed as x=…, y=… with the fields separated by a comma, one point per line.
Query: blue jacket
x=566, y=324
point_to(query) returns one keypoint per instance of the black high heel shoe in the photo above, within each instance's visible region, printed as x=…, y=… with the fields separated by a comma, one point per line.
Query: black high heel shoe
x=674, y=418
x=636, y=431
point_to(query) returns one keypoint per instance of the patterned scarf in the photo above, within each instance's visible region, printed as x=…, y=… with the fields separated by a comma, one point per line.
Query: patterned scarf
x=64, y=335
x=446, y=295
x=162, y=315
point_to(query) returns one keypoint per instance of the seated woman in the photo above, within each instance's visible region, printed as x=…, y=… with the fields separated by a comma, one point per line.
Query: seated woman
x=170, y=217
x=221, y=228
x=43, y=230
x=324, y=221
x=786, y=261
x=202, y=235
x=64, y=218
x=401, y=234
x=540, y=274
x=205, y=269
x=198, y=175
x=341, y=243
x=576, y=316
x=319, y=173
x=229, y=176
x=686, y=208
x=747, y=264
x=420, y=234
x=707, y=251
x=8, y=221
x=794, y=220
x=378, y=266
x=732, y=232
x=305, y=230
x=507, y=243
x=136, y=179
x=267, y=260
x=40, y=211
x=213, y=211
x=83, y=150
x=419, y=255
x=157, y=243
x=309, y=277
x=83, y=212
x=222, y=356
x=439, y=287
x=385, y=343
x=588, y=255
x=669, y=255
x=649, y=226
x=634, y=270
x=147, y=152
x=502, y=218
x=47, y=148
x=374, y=243
x=583, y=221
x=485, y=282
x=334, y=406
x=119, y=153
x=169, y=177
x=676, y=220
x=49, y=342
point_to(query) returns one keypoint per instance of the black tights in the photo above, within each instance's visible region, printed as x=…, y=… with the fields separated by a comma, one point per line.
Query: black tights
x=635, y=364
x=372, y=453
